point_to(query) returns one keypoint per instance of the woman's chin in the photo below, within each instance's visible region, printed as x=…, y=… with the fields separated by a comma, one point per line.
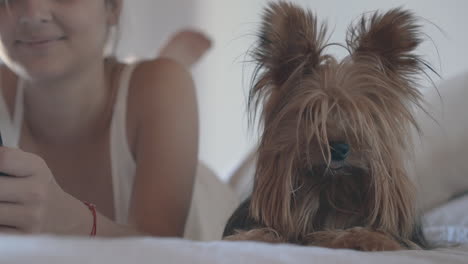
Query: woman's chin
x=34, y=71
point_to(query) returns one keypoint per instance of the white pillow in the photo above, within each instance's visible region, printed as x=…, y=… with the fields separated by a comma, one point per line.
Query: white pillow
x=448, y=223
x=441, y=154
x=213, y=202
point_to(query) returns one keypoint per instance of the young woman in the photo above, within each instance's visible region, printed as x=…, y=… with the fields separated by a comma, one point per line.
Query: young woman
x=88, y=135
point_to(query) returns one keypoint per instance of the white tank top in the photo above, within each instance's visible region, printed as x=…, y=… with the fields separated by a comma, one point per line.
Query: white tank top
x=123, y=165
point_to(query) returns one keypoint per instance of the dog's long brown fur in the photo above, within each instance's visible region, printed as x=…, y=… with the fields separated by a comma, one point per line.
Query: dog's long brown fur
x=308, y=101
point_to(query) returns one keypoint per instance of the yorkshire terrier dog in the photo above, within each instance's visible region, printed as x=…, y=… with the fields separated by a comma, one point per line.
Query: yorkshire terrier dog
x=335, y=134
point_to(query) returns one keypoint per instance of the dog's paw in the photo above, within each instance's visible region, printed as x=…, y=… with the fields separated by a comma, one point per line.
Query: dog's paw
x=357, y=238
x=260, y=235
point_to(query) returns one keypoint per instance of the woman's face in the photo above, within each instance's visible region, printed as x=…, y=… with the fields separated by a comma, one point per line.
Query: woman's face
x=41, y=39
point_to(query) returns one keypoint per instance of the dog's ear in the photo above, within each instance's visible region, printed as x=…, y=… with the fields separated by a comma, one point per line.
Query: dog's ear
x=392, y=37
x=290, y=42
x=289, y=47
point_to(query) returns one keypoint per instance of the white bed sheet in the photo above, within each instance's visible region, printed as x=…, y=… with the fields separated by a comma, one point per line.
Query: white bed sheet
x=448, y=223
x=53, y=251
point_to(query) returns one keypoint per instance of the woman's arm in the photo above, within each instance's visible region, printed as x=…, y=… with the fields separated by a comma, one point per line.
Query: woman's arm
x=166, y=153
x=33, y=203
x=163, y=94
x=166, y=147
x=73, y=217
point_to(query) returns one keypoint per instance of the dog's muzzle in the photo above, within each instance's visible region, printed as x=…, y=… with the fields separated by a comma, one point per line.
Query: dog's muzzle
x=339, y=151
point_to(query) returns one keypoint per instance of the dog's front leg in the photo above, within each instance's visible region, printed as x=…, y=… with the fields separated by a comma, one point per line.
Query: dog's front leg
x=357, y=238
x=260, y=235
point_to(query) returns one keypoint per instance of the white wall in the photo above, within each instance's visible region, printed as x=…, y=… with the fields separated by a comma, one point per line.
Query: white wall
x=222, y=78
x=146, y=24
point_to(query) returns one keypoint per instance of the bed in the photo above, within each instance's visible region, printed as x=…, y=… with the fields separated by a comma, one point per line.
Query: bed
x=447, y=224
x=440, y=170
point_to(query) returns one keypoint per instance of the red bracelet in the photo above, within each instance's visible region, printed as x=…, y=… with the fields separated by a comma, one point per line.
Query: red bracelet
x=92, y=208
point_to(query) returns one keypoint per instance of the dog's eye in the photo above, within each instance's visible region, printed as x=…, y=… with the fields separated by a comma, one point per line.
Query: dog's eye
x=339, y=151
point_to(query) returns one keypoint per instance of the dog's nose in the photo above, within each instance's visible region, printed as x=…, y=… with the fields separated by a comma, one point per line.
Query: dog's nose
x=339, y=151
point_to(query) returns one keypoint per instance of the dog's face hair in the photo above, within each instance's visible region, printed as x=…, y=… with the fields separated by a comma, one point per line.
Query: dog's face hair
x=335, y=133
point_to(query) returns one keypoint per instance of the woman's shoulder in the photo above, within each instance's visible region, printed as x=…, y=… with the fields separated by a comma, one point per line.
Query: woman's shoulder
x=160, y=80
x=159, y=73
x=151, y=77
x=159, y=89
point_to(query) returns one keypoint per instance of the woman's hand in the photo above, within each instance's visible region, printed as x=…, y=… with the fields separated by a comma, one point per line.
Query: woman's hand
x=30, y=198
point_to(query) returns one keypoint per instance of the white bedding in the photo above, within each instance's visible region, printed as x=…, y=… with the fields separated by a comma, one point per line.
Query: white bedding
x=448, y=223
x=50, y=251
